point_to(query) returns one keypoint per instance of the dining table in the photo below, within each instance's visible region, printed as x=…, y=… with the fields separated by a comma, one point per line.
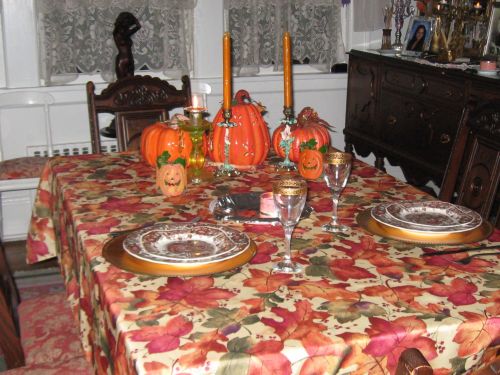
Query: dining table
x=360, y=301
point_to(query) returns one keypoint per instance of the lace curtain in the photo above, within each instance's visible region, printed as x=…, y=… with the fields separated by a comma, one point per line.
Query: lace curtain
x=76, y=36
x=257, y=27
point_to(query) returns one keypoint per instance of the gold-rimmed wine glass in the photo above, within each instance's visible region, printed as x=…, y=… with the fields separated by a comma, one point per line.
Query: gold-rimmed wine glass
x=289, y=196
x=336, y=170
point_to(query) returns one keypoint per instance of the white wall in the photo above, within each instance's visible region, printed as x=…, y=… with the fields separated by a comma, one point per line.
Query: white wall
x=19, y=71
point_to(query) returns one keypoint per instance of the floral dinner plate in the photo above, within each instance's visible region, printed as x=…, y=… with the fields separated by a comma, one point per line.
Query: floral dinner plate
x=431, y=213
x=177, y=243
x=426, y=216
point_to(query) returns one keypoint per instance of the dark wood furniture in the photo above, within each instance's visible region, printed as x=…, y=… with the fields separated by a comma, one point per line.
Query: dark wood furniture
x=412, y=362
x=473, y=171
x=408, y=112
x=136, y=103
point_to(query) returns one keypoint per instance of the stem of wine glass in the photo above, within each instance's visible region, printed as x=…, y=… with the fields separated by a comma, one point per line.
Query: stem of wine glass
x=288, y=239
x=335, y=200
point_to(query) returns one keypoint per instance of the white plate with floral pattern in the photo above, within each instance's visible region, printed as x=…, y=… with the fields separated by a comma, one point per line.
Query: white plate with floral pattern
x=178, y=243
x=427, y=216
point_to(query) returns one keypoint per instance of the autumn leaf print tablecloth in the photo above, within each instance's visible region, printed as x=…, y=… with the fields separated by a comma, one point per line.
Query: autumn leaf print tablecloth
x=360, y=302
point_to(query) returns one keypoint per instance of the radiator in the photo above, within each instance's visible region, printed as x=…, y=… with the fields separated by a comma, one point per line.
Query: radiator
x=78, y=148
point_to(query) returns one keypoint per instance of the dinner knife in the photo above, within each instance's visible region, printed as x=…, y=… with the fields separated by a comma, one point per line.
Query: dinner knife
x=462, y=250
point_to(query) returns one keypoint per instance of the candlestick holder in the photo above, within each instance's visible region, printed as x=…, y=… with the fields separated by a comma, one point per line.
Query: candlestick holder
x=287, y=140
x=226, y=169
x=402, y=10
x=196, y=127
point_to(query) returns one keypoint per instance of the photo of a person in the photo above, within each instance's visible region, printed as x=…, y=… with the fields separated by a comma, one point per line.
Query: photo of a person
x=418, y=36
x=416, y=43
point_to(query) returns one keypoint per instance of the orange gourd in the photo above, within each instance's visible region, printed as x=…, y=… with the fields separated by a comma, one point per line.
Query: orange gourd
x=171, y=177
x=310, y=164
x=308, y=126
x=161, y=137
x=249, y=139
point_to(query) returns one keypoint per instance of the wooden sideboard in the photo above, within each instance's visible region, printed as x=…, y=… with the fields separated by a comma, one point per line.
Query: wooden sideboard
x=408, y=112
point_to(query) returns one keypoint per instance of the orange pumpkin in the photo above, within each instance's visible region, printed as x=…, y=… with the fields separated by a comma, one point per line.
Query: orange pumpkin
x=308, y=126
x=249, y=139
x=161, y=137
x=171, y=177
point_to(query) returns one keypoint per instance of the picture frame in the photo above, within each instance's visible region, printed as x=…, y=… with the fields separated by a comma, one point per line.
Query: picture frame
x=492, y=45
x=414, y=45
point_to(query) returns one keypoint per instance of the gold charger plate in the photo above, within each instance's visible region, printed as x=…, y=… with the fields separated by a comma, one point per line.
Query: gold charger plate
x=115, y=254
x=367, y=222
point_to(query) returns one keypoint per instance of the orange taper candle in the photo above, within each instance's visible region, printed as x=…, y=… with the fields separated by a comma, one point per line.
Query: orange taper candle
x=226, y=77
x=287, y=67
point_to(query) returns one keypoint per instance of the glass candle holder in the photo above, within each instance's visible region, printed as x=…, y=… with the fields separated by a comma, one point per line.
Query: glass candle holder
x=386, y=39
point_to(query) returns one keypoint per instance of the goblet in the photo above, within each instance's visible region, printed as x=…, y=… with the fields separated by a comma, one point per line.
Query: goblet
x=337, y=167
x=289, y=196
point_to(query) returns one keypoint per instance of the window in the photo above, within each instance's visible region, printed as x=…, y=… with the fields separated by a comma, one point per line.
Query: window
x=257, y=27
x=77, y=37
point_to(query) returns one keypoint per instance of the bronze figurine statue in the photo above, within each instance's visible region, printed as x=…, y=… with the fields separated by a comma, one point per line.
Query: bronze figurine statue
x=126, y=25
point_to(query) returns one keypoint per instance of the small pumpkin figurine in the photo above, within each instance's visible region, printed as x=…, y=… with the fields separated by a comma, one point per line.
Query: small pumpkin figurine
x=166, y=136
x=171, y=177
x=311, y=159
x=309, y=125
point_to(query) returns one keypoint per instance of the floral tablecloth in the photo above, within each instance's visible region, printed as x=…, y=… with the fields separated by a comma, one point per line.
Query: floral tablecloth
x=361, y=301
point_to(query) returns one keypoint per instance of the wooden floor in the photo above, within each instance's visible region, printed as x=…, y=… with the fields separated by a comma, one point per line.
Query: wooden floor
x=16, y=257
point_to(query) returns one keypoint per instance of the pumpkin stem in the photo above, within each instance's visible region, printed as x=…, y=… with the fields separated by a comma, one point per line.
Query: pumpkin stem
x=241, y=95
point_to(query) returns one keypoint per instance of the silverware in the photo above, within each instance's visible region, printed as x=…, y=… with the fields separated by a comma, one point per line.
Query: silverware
x=468, y=259
x=462, y=250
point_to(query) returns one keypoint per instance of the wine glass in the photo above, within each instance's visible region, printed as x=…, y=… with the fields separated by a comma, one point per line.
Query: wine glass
x=289, y=196
x=337, y=167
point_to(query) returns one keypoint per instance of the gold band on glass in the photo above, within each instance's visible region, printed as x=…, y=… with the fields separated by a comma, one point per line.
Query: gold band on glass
x=290, y=186
x=337, y=157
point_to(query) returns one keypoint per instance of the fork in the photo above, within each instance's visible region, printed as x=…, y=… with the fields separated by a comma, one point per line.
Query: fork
x=469, y=259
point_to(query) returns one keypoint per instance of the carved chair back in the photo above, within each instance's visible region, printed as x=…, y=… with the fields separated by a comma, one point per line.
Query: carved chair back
x=473, y=171
x=9, y=300
x=136, y=102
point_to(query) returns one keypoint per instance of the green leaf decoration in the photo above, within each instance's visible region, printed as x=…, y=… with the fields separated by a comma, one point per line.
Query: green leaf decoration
x=323, y=149
x=458, y=365
x=309, y=145
x=239, y=345
x=163, y=159
x=234, y=363
x=320, y=271
x=251, y=319
x=220, y=318
x=180, y=161
x=493, y=280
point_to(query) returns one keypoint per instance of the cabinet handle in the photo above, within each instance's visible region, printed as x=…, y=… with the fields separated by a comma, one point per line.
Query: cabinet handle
x=391, y=120
x=445, y=138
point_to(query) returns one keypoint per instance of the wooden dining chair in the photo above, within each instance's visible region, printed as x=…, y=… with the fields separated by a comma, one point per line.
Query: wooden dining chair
x=473, y=170
x=38, y=335
x=136, y=102
x=412, y=362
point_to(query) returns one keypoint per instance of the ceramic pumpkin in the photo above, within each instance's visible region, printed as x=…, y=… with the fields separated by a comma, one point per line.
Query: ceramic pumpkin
x=171, y=177
x=163, y=136
x=310, y=164
x=308, y=126
x=249, y=139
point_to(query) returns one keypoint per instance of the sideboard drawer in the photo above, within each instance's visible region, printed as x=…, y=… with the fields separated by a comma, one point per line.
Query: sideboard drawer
x=424, y=86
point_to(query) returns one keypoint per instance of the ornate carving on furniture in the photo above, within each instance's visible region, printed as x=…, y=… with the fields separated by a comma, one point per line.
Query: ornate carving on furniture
x=473, y=172
x=407, y=112
x=136, y=102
